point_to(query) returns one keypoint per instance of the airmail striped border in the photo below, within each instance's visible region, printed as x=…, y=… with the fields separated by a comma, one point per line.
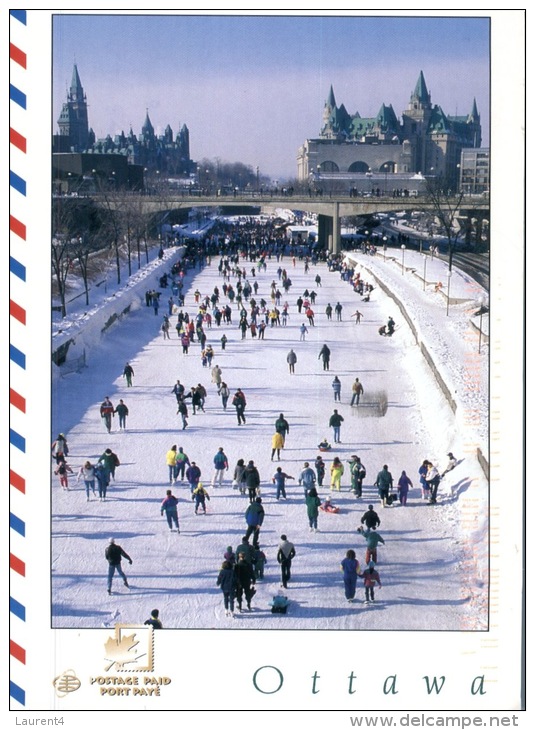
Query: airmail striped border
x=17, y=348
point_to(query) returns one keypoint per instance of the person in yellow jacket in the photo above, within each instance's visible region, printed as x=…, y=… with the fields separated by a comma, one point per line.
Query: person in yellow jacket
x=170, y=459
x=277, y=443
x=337, y=469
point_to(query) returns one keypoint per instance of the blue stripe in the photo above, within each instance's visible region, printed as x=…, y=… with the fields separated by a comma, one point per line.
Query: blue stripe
x=17, y=182
x=17, y=268
x=17, y=356
x=17, y=524
x=17, y=693
x=17, y=440
x=18, y=96
x=20, y=15
x=17, y=608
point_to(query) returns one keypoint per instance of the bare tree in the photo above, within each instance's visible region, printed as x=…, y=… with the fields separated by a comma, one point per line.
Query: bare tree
x=446, y=207
x=61, y=266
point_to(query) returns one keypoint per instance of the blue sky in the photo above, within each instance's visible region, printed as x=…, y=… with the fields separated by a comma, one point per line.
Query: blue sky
x=252, y=88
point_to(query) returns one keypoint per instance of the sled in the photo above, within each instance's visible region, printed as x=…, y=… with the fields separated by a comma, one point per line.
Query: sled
x=333, y=510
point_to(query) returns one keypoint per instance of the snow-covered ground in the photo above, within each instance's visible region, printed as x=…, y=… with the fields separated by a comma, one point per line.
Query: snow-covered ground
x=433, y=565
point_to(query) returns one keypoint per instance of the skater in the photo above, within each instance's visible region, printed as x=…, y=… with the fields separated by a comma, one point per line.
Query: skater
x=128, y=373
x=358, y=316
x=350, y=567
x=181, y=461
x=357, y=390
x=113, y=554
x=220, y=467
x=329, y=311
x=169, y=508
x=371, y=579
x=63, y=470
x=279, y=480
x=422, y=472
x=370, y=518
x=230, y=555
x=254, y=516
x=404, y=484
x=390, y=326
x=87, y=472
x=335, y=422
x=259, y=561
x=337, y=469
x=239, y=404
x=178, y=390
x=238, y=479
x=338, y=309
x=107, y=412
x=291, y=359
x=307, y=478
x=111, y=462
x=433, y=480
x=60, y=448
x=373, y=538
x=154, y=620
x=182, y=410
x=303, y=331
x=282, y=426
x=245, y=581
x=224, y=392
x=384, y=483
x=319, y=465
x=285, y=555
x=245, y=549
x=103, y=479
x=452, y=463
x=200, y=495
x=277, y=443
x=325, y=355
x=122, y=412
x=226, y=580
x=170, y=460
x=193, y=475
x=216, y=377
x=337, y=387
x=251, y=477
x=313, y=502
x=358, y=472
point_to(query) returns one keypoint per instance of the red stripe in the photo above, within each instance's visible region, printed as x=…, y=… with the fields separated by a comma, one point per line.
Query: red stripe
x=15, y=310
x=17, y=227
x=17, y=651
x=17, y=55
x=17, y=139
x=17, y=400
x=17, y=565
x=17, y=481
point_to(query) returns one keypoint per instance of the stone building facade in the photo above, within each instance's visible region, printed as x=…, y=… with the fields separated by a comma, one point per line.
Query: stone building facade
x=423, y=140
x=168, y=154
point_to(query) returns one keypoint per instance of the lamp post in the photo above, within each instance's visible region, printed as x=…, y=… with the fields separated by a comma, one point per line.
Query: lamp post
x=385, y=239
x=403, y=259
x=257, y=179
x=425, y=268
x=448, y=295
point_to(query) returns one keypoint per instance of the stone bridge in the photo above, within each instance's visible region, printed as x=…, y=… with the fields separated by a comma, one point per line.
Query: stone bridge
x=329, y=207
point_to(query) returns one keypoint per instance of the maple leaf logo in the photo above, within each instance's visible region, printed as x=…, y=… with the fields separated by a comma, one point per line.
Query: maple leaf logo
x=121, y=651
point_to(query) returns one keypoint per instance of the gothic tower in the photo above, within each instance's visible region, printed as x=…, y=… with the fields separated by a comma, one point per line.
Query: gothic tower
x=73, y=121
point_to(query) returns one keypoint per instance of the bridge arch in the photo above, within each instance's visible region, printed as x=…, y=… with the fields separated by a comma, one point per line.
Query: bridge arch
x=388, y=166
x=329, y=166
x=359, y=166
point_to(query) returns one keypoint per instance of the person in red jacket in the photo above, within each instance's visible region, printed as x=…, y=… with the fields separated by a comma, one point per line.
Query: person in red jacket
x=371, y=579
x=107, y=412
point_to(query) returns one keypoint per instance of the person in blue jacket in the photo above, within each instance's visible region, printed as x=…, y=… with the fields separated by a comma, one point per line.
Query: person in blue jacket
x=169, y=508
x=226, y=580
x=350, y=567
x=254, y=516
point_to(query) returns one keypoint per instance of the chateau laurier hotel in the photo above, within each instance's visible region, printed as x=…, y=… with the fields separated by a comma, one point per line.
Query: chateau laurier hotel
x=423, y=140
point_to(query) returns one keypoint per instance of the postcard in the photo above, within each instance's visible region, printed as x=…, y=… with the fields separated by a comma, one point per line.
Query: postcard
x=266, y=365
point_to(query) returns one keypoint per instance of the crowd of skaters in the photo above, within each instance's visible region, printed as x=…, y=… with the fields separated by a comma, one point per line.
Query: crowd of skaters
x=215, y=310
